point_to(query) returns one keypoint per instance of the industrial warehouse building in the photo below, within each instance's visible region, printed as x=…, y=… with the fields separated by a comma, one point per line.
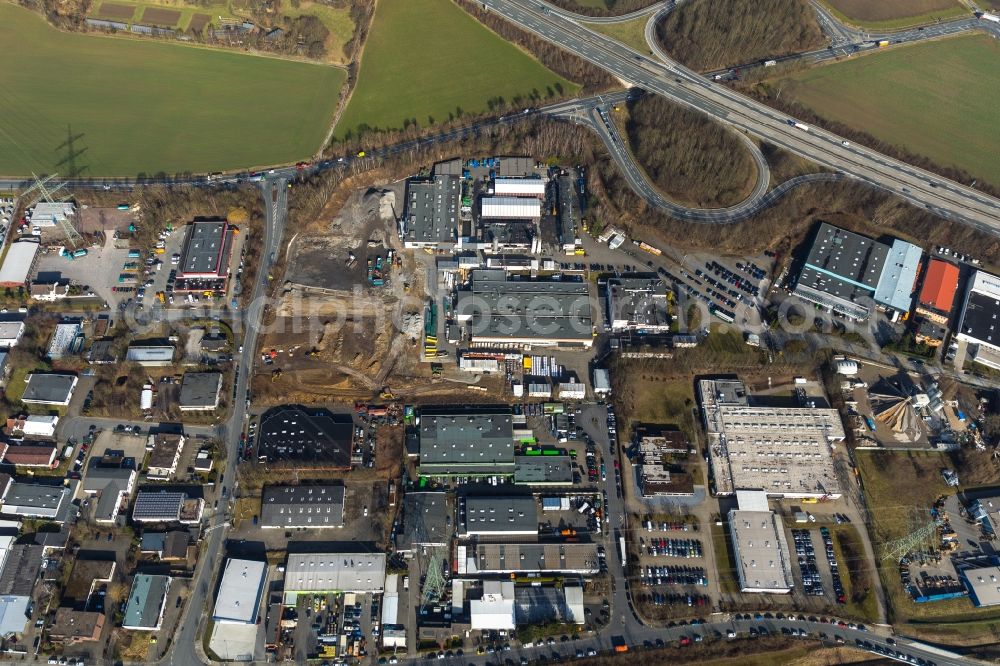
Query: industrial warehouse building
x=240, y=592
x=204, y=262
x=333, y=572
x=526, y=313
x=305, y=438
x=842, y=271
x=784, y=451
x=519, y=187
x=466, y=443
x=510, y=208
x=19, y=263
x=978, y=325
x=638, y=304
x=763, y=561
x=497, y=516
x=312, y=506
x=427, y=521
x=898, y=280
x=431, y=219
x=498, y=558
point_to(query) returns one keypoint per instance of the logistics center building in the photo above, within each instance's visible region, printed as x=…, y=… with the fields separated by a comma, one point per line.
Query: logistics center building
x=784, y=451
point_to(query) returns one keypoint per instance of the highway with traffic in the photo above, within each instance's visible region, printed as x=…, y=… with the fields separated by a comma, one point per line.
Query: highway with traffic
x=948, y=199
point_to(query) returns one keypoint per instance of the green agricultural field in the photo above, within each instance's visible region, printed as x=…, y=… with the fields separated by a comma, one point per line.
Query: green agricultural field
x=894, y=14
x=427, y=61
x=145, y=107
x=938, y=99
x=630, y=33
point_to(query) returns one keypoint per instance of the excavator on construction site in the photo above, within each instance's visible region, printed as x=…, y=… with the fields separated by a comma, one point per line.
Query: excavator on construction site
x=276, y=374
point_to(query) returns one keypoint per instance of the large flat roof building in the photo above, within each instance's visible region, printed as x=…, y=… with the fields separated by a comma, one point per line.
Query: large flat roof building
x=305, y=437
x=979, y=322
x=206, y=250
x=464, y=444
x=763, y=561
x=498, y=558
x=311, y=506
x=432, y=213
x=785, y=451
x=334, y=572
x=497, y=516
x=842, y=272
x=527, y=313
x=240, y=592
x=10, y=333
x=638, y=304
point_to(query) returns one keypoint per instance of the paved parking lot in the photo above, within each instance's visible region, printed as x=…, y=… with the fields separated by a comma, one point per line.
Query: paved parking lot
x=99, y=269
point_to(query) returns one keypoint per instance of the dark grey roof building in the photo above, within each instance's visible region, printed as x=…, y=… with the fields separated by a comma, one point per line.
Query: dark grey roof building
x=311, y=506
x=299, y=435
x=432, y=212
x=200, y=391
x=466, y=444
x=427, y=521
x=543, y=470
x=842, y=271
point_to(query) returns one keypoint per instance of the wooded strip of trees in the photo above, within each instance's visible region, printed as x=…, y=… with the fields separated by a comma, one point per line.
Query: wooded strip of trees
x=688, y=156
x=714, y=34
x=610, y=8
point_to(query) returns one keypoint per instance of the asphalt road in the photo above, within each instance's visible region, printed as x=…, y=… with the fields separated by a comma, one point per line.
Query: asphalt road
x=184, y=651
x=947, y=199
x=595, y=117
x=643, y=636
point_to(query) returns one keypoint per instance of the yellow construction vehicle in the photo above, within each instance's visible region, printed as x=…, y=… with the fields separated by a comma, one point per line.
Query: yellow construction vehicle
x=275, y=374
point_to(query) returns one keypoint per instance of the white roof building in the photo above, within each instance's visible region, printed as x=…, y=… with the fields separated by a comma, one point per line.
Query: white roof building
x=495, y=610
x=519, y=187
x=10, y=333
x=64, y=338
x=46, y=214
x=572, y=391
x=19, y=263
x=763, y=563
x=511, y=208
x=240, y=592
x=334, y=572
x=35, y=425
